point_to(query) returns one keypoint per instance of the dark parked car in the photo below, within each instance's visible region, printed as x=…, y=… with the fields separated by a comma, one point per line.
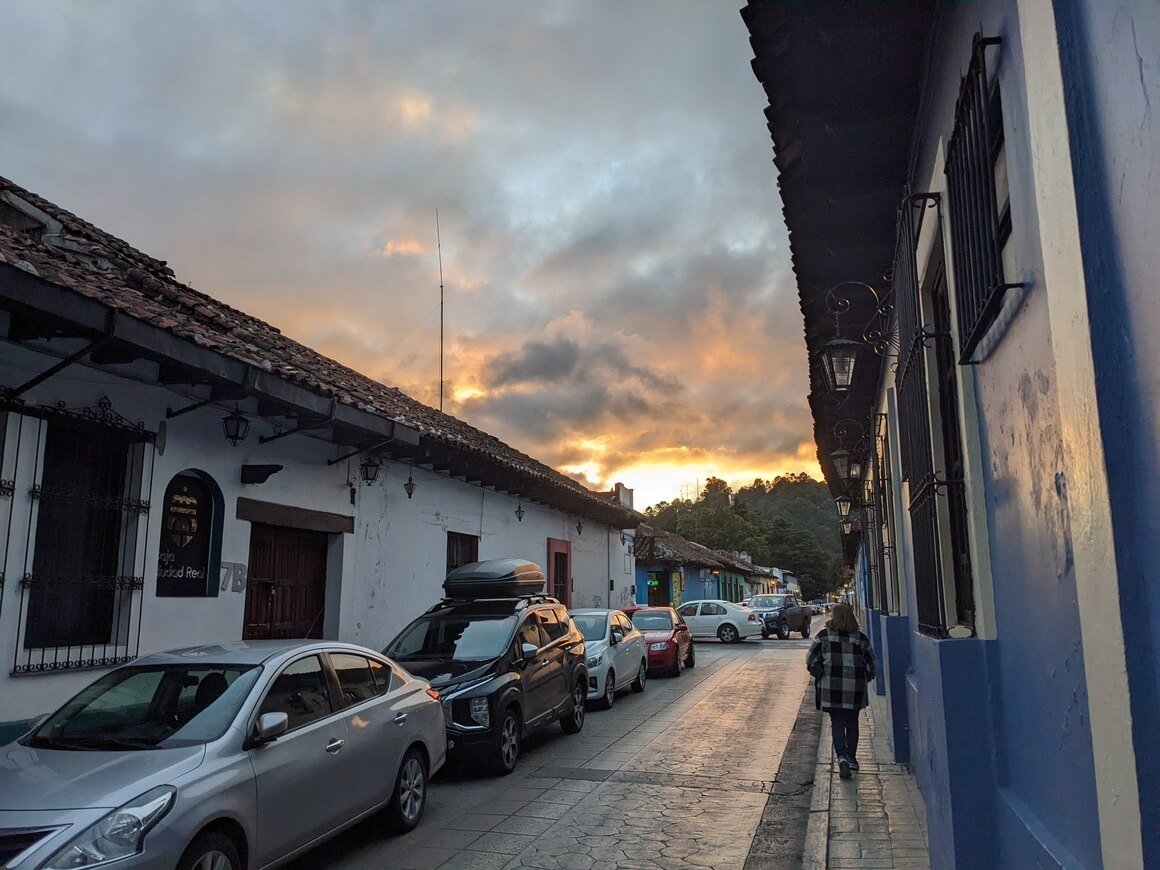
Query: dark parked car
x=670, y=644
x=506, y=660
x=781, y=614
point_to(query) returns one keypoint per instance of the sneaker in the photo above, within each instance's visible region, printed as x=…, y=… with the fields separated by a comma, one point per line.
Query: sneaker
x=843, y=768
x=853, y=763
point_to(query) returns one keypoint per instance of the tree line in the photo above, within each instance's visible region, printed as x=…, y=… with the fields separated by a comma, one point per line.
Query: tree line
x=788, y=522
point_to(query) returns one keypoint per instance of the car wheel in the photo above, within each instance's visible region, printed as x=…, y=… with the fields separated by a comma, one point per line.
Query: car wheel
x=609, y=697
x=805, y=628
x=211, y=851
x=782, y=630
x=764, y=634
x=409, y=798
x=573, y=720
x=727, y=634
x=505, y=751
x=691, y=661
x=641, y=676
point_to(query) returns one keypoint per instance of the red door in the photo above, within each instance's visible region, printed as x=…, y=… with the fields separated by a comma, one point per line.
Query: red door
x=560, y=570
x=286, y=589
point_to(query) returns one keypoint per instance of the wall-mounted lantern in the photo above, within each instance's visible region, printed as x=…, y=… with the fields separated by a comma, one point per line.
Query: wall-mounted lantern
x=520, y=512
x=369, y=470
x=235, y=427
x=579, y=528
x=844, y=503
x=409, y=486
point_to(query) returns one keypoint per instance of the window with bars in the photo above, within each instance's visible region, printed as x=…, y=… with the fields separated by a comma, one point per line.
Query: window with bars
x=931, y=449
x=978, y=199
x=461, y=549
x=81, y=600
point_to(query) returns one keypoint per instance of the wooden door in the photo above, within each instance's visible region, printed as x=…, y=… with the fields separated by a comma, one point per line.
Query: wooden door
x=286, y=589
x=560, y=570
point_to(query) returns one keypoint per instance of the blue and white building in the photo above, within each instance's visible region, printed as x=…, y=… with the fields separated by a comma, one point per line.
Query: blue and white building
x=971, y=191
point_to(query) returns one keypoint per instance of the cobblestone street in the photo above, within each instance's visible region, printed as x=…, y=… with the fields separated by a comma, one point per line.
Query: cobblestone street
x=676, y=777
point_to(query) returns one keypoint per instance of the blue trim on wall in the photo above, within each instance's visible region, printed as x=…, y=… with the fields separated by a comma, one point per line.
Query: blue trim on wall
x=874, y=632
x=892, y=665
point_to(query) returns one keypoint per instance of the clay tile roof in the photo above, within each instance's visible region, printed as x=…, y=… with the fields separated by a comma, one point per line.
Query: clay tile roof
x=657, y=545
x=102, y=267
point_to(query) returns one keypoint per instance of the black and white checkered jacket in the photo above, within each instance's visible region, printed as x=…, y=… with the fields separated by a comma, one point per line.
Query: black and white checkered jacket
x=842, y=664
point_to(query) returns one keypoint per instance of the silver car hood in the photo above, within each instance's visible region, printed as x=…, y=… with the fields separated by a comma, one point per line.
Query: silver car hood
x=56, y=779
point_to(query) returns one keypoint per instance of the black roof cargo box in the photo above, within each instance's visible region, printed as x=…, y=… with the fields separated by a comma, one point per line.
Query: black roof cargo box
x=495, y=578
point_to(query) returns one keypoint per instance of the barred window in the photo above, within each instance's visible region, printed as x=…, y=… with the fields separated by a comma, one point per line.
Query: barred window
x=461, y=549
x=979, y=200
x=81, y=599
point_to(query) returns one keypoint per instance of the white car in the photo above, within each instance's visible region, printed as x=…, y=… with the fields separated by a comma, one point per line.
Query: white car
x=724, y=620
x=617, y=654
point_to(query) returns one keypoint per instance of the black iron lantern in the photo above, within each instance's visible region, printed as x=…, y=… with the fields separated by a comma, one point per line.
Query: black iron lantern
x=579, y=528
x=838, y=358
x=855, y=469
x=841, y=460
x=847, y=525
x=409, y=486
x=369, y=470
x=520, y=512
x=844, y=503
x=236, y=427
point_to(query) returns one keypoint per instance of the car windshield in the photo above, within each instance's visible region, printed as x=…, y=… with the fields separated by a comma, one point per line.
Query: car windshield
x=652, y=621
x=594, y=626
x=456, y=637
x=149, y=707
x=772, y=602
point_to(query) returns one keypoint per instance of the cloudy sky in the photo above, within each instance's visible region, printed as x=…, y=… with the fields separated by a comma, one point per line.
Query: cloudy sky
x=619, y=302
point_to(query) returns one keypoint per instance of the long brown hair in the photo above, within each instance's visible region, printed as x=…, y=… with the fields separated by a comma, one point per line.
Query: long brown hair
x=842, y=619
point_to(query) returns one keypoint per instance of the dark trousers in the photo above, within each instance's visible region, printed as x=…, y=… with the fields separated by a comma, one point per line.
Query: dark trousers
x=845, y=726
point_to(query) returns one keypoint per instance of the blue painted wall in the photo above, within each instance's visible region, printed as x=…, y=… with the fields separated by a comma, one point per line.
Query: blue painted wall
x=1112, y=90
x=1000, y=741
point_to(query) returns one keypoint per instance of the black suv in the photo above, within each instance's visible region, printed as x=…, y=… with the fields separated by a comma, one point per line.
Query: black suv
x=505, y=658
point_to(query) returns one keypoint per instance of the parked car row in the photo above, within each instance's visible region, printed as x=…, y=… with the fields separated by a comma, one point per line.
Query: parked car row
x=250, y=753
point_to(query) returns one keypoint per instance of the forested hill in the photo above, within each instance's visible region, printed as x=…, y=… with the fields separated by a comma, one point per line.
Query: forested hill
x=788, y=522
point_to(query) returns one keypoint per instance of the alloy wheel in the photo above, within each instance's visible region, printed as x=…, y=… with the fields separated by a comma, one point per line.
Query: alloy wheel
x=412, y=789
x=509, y=741
x=578, y=697
x=641, y=676
x=214, y=860
x=610, y=689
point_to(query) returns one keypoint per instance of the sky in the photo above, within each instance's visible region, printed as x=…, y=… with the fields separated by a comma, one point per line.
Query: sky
x=618, y=296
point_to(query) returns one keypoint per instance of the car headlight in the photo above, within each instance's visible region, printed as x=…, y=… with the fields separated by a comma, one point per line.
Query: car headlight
x=664, y=644
x=594, y=661
x=119, y=834
x=480, y=711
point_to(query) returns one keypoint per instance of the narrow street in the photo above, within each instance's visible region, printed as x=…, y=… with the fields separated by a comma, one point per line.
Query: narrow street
x=675, y=777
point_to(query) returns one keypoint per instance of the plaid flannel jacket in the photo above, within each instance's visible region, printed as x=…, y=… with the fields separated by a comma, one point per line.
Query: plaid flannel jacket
x=842, y=664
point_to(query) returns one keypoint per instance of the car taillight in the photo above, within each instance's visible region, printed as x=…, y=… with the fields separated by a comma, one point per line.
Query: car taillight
x=434, y=693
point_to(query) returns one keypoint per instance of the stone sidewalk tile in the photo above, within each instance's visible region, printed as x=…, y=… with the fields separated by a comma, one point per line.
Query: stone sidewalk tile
x=876, y=819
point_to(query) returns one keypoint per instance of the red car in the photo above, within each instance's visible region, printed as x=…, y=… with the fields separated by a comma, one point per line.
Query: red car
x=668, y=637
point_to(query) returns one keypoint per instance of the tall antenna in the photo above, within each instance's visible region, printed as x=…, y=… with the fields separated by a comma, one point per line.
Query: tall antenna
x=439, y=248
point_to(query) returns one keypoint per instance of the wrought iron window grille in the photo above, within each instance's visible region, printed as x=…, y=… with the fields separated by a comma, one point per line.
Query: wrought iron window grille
x=980, y=224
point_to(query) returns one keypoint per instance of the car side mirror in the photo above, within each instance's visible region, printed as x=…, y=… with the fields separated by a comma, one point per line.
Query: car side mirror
x=271, y=726
x=617, y=637
x=527, y=652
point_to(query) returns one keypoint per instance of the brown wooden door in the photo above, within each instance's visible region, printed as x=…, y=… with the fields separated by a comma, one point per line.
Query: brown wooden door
x=286, y=589
x=560, y=570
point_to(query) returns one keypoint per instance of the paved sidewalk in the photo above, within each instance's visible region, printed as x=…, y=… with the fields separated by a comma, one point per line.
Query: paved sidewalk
x=877, y=818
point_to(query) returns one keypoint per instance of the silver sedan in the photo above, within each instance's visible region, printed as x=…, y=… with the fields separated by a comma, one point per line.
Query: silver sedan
x=220, y=757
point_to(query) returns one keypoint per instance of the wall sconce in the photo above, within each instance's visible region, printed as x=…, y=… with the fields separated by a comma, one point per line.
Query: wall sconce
x=855, y=469
x=841, y=460
x=235, y=427
x=579, y=528
x=844, y=503
x=369, y=470
x=848, y=464
x=409, y=486
x=839, y=354
x=520, y=512
x=623, y=538
x=847, y=525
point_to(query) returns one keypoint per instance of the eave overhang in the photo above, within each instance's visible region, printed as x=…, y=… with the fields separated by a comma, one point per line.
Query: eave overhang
x=843, y=82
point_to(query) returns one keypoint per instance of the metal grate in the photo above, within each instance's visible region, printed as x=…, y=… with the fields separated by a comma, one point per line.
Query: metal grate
x=81, y=590
x=914, y=420
x=979, y=210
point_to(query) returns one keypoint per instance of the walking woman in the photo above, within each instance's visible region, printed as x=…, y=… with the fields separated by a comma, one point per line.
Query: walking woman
x=842, y=663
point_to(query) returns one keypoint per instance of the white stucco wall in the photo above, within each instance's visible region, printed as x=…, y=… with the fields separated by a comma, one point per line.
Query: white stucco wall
x=379, y=578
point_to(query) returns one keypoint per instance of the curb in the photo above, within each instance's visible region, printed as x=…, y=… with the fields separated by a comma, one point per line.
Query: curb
x=783, y=832
x=815, y=854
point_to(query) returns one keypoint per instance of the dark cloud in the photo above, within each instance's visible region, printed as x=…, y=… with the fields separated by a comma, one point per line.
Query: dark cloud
x=616, y=275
